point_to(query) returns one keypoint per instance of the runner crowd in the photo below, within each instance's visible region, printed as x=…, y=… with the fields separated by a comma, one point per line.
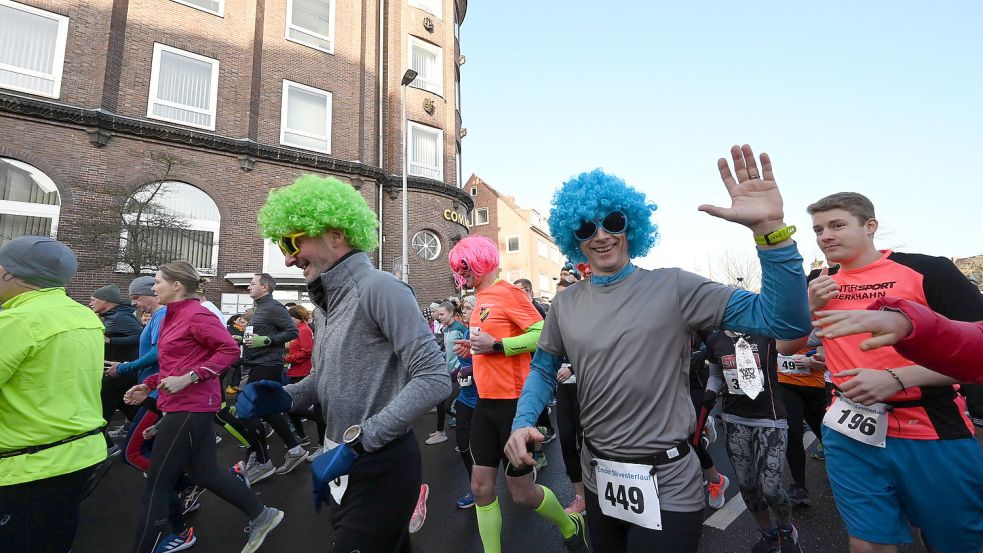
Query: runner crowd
x=875, y=352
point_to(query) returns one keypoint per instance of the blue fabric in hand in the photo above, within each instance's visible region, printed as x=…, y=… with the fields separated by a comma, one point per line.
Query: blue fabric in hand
x=262, y=398
x=330, y=466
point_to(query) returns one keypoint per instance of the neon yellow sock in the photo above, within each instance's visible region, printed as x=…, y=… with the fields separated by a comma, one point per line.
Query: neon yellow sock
x=551, y=510
x=490, y=526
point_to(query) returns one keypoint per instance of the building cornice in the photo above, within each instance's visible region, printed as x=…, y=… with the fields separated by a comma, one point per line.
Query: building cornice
x=102, y=124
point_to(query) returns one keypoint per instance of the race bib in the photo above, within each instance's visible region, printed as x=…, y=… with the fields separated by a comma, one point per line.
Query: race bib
x=864, y=423
x=629, y=492
x=787, y=365
x=339, y=485
x=732, y=376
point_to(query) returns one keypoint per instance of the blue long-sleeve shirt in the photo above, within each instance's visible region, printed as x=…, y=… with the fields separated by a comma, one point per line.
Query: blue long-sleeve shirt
x=781, y=310
x=146, y=364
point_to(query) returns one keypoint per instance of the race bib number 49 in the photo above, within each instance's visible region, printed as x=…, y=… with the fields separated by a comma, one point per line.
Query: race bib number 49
x=864, y=423
x=788, y=365
x=629, y=492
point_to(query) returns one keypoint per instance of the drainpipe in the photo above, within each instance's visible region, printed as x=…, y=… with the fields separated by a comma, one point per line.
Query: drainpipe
x=382, y=132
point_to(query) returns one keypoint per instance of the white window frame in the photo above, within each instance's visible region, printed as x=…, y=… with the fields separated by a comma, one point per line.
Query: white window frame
x=474, y=219
x=425, y=6
x=435, y=88
x=474, y=191
x=330, y=37
x=518, y=244
x=440, y=149
x=415, y=243
x=58, y=63
x=154, y=76
x=220, y=12
x=283, y=117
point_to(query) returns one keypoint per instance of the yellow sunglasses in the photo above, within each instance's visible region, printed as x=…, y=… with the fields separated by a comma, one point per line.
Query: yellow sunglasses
x=288, y=244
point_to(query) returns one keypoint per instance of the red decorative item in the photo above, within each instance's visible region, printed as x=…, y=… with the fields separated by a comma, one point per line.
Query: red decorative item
x=584, y=269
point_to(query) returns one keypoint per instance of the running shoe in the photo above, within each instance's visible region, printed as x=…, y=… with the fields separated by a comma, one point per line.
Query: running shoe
x=799, y=495
x=578, y=543
x=260, y=471
x=260, y=526
x=770, y=542
x=113, y=451
x=304, y=441
x=317, y=452
x=177, y=542
x=549, y=435
x=578, y=505
x=466, y=501
x=437, y=438
x=453, y=422
x=819, y=453
x=540, y=458
x=710, y=430
x=268, y=429
x=118, y=432
x=291, y=460
x=790, y=539
x=239, y=471
x=189, y=500
x=717, y=492
x=420, y=512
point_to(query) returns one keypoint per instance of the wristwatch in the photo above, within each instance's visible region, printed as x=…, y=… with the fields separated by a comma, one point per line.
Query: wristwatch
x=497, y=346
x=194, y=377
x=353, y=439
x=775, y=237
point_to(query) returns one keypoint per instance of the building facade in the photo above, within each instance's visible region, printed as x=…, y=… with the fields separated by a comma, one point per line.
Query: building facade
x=159, y=126
x=524, y=243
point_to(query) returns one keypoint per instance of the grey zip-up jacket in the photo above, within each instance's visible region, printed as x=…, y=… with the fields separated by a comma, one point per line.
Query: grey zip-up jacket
x=375, y=362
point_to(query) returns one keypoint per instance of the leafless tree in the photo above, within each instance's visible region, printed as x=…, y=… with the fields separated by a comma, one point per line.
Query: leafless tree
x=146, y=230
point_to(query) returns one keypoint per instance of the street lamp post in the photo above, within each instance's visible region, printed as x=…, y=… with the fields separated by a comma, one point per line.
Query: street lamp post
x=404, y=273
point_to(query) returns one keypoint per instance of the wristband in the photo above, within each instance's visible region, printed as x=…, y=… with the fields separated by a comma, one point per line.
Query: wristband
x=898, y=378
x=772, y=238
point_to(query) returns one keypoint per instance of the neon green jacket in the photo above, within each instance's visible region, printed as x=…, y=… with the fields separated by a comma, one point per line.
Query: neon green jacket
x=51, y=353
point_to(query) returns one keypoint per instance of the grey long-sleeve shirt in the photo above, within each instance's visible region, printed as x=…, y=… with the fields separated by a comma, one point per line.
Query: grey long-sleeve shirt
x=375, y=362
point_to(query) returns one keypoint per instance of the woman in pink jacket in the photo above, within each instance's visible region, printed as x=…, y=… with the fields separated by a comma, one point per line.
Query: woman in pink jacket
x=194, y=349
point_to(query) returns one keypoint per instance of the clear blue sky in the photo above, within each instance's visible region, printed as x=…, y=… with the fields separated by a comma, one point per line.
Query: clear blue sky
x=879, y=97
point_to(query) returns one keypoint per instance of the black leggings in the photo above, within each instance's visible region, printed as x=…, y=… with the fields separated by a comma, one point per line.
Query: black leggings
x=42, y=516
x=277, y=420
x=802, y=402
x=310, y=413
x=680, y=532
x=185, y=441
x=463, y=435
x=568, y=426
x=113, y=389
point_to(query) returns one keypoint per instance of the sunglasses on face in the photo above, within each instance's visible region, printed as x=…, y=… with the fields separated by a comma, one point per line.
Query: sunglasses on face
x=614, y=223
x=288, y=244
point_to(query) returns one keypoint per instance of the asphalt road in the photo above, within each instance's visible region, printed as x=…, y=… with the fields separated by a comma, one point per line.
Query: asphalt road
x=109, y=515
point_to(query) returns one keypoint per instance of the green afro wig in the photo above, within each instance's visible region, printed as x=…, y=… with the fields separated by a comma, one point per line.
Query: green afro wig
x=314, y=204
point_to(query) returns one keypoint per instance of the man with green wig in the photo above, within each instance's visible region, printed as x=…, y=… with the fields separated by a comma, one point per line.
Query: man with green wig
x=376, y=367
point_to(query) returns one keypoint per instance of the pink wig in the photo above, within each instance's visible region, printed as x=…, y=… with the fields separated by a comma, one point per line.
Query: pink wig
x=475, y=253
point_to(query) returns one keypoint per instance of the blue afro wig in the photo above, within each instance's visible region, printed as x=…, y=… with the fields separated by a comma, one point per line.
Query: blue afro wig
x=593, y=195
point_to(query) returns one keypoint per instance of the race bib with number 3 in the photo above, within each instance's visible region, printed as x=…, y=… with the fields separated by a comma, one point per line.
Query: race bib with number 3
x=864, y=423
x=732, y=376
x=629, y=492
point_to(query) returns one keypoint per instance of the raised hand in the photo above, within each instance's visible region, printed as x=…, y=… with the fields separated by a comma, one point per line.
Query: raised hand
x=822, y=289
x=755, y=200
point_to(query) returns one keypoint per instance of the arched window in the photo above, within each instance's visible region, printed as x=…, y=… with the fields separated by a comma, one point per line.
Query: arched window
x=29, y=201
x=170, y=220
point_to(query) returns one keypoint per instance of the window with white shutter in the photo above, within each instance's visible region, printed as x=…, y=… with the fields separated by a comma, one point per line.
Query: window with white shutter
x=428, y=61
x=32, y=49
x=305, y=117
x=183, y=88
x=426, y=151
x=311, y=23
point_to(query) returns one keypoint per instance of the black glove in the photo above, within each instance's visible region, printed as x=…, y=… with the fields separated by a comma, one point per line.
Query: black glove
x=709, y=399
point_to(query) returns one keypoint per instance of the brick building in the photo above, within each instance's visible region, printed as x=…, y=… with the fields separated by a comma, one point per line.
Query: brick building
x=212, y=103
x=527, y=250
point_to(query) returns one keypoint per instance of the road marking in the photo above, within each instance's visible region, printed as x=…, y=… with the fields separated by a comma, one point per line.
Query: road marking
x=735, y=505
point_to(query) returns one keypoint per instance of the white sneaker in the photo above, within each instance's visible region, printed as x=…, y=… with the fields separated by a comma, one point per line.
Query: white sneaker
x=710, y=430
x=436, y=438
x=291, y=460
x=314, y=455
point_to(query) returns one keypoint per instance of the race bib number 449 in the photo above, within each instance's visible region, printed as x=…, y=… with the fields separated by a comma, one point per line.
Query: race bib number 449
x=629, y=492
x=864, y=423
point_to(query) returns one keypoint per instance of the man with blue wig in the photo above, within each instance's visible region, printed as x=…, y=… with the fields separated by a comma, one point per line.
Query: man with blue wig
x=627, y=333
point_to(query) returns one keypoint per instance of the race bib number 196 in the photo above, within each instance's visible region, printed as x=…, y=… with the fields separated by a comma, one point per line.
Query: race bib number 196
x=629, y=492
x=864, y=423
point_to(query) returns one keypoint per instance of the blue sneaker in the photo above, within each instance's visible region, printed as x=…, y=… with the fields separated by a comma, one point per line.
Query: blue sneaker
x=466, y=501
x=177, y=542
